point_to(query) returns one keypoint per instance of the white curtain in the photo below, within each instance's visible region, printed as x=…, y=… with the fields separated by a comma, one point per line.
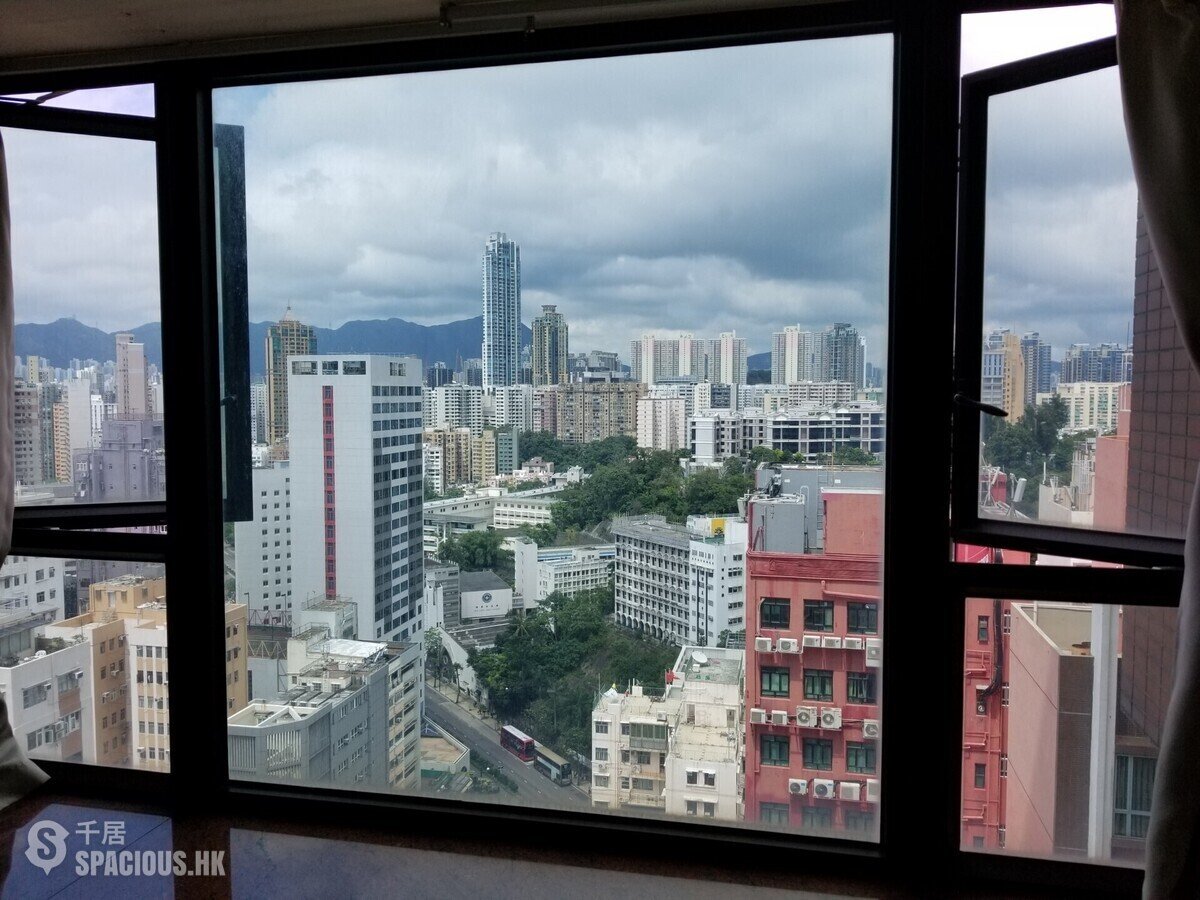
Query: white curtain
x=18, y=776
x=1158, y=47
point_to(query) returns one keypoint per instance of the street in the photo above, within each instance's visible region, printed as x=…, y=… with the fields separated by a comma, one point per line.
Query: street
x=484, y=743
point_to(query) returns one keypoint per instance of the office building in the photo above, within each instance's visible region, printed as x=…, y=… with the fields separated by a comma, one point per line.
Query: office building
x=131, y=381
x=355, y=434
x=258, y=412
x=1103, y=362
x=286, y=338
x=262, y=546
x=1039, y=377
x=550, y=348
x=129, y=465
x=501, y=312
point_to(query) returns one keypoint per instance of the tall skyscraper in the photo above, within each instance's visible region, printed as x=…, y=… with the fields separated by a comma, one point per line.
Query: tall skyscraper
x=1038, y=379
x=131, y=378
x=550, y=348
x=1003, y=382
x=795, y=356
x=355, y=460
x=501, y=311
x=731, y=360
x=844, y=354
x=286, y=338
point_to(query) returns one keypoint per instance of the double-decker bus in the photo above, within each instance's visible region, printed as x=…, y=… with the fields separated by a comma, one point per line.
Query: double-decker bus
x=551, y=764
x=518, y=743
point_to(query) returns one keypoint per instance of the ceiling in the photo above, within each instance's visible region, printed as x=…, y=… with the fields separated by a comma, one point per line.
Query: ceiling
x=43, y=35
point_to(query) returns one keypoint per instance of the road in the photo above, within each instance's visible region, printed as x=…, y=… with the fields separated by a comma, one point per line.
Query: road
x=533, y=789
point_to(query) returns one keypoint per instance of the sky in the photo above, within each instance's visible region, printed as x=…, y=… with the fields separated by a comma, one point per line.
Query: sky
x=731, y=189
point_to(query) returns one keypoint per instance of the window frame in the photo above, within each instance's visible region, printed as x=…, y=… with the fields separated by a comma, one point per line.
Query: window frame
x=918, y=819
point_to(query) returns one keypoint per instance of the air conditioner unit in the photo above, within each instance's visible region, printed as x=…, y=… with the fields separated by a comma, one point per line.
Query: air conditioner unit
x=808, y=716
x=779, y=717
x=852, y=643
x=798, y=786
x=870, y=728
x=872, y=790
x=831, y=717
x=758, y=716
x=874, y=651
x=823, y=788
x=811, y=640
x=789, y=645
x=849, y=790
x=762, y=645
x=831, y=642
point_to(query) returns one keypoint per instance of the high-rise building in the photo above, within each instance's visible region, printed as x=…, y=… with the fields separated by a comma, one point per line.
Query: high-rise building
x=501, y=311
x=455, y=405
x=796, y=356
x=437, y=375
x=131, y=378
x=62, y=443
x=129, y=465
x=1103, y=362
x=508, y=451
x=731, y=360
x=262, y=546
x=258, y=411
x=286, y=338
x=1003, y=382
x=662, y=423
x=509, y=407
x=595, y=411
x=1038, y=377
x=355, y=439
x=843, y=352
x=550, y=348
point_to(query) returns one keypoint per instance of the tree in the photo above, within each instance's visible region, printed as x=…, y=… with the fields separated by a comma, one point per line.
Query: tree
x=476, y=551
x=854, y=456
x=433, y=650
x=457, y=667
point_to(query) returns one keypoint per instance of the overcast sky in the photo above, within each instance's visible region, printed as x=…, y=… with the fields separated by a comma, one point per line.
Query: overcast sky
x=734, y=189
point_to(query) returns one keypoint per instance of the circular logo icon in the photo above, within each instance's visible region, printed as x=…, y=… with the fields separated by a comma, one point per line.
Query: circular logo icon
x=487, y=598
x=47, y=844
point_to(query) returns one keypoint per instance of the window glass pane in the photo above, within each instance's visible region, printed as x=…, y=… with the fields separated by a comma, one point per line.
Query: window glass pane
x=992, y=39
x=467, y=515
x=84, y=661
x=1036, y=701
x=128, y=100
x=1079, y=343
x=88, y=417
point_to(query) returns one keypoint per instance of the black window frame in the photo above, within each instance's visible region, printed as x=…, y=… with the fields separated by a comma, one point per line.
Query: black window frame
x=817, y=753
x=780, y=757
x=819, y=609
x=816, y=688
x=866, y=756
x=919, y=817
x=775, y=673
x=862, y=617
x=869, y=694
x=781, y=612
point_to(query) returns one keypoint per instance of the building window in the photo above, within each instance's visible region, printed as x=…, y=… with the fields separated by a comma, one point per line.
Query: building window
x=862, y=618
x=818, y=684
x=860, y=687
x=643, y=784
x=776, y=613
x=773, y=813
x=690, y=807
x=818, y=753
x=602, y=754
x=859, y=821
x=816, y=817
x=775, y=681
x=601, y=727
x=982, y=629
x=773, y=749
x=860, y=758
x=818, y=615
x=1134, y=786
x=692, y=775
x=710, y=779
x=980, y=775
x=600, y=781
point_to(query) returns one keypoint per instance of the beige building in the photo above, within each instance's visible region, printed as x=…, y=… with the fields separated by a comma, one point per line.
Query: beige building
x=125, y=629
x=62, y=442
x=586, y=412
x=286, y=338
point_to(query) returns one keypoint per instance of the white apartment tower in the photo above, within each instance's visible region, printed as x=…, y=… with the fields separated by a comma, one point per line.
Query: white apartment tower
x=501, y=311
x=355, y=443
x=662, y=423
x=262, y=546
x=795, y=356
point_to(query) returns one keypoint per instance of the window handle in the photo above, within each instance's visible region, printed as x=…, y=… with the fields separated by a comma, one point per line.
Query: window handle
x=961, y=399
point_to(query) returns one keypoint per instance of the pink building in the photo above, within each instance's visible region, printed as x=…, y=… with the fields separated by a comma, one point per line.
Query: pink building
x=813, y=652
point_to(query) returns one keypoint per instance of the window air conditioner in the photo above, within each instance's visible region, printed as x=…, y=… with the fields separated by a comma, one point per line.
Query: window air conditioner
x=812, y=640
x=831, y=717
x=808, y=716
x=758, y=716
x=779, y=717
x=872, y=790
x=852, y=643
x=849, y=790
x=831, y=642
x=823, y=788
x=870, y=728
x=762, y=645
x=798, y=786
x=789, y=645
x=874, y=651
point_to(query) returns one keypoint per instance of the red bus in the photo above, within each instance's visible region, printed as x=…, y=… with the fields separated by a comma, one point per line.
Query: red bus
x=518, y=743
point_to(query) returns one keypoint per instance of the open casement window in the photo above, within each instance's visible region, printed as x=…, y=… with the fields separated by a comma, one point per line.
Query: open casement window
x=1072, y=467
x=1062, y=325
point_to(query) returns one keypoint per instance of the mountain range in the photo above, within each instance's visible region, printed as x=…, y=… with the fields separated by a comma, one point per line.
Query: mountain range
x=68, y=339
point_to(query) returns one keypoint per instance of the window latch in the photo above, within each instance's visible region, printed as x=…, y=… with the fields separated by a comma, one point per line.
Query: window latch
x=961, y=399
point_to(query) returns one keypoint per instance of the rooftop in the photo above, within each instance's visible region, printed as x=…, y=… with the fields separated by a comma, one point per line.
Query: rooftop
x=703, y=743
x=710, y=664
x=486, y=580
